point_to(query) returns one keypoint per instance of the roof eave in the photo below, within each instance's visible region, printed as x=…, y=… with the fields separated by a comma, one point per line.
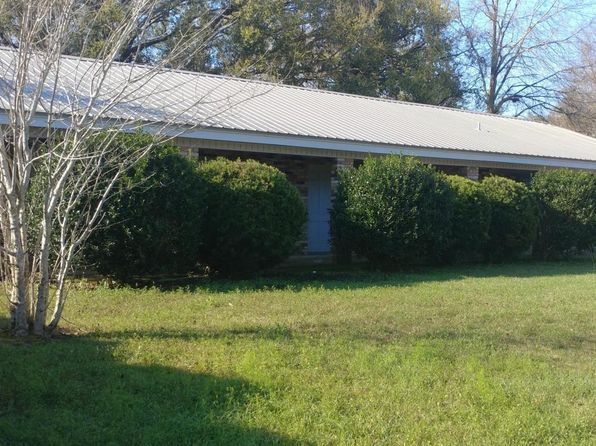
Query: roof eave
x=319, y=146
x=364, y=148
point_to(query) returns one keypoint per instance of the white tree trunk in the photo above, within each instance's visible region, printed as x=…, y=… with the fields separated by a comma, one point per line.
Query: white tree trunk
x=80, y=176
x=17, y=260
x=43, y=288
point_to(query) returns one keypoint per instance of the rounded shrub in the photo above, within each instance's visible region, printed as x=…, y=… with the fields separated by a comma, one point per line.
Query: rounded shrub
x=393, y=210
x=153, y=223
x=255, y=216
x=514, y=218
x=568, y=212
x=471, y=220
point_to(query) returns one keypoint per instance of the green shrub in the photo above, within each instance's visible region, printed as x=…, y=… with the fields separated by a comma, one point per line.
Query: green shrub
x=153, y=223
x=471, y=220
x=255, y=217
x=514, y=218
x=393, y=210
x=568, y=212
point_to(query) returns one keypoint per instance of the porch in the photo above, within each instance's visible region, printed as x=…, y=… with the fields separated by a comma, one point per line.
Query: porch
x=315, y=176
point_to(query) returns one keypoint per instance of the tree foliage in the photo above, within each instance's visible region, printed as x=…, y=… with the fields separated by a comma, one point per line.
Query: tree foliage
x=393, y=48
x=180, y=32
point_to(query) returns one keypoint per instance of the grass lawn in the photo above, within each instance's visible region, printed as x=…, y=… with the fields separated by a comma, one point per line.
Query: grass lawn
x=468, y=355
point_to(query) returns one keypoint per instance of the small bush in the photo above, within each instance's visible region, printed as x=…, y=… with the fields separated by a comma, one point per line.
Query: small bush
x=153, y=223
x=393, y=210
x=568, y=212
x=471, y=220
x=514, y=218
x=255, y=216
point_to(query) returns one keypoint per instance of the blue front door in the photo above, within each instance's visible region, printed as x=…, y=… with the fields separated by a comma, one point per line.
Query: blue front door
x=319, y=204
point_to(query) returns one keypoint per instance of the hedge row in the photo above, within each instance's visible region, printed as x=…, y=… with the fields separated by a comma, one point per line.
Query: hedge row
x=396, y=211
x=172, y=215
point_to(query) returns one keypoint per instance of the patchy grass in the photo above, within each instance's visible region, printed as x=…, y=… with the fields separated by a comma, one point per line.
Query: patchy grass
x=468, y=355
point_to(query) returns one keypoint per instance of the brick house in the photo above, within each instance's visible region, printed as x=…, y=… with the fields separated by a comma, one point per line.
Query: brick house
x=309, y=134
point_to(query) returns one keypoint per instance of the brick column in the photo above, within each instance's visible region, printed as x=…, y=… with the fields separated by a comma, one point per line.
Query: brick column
x=473, y=173
x=344, y=162
x=340, y=163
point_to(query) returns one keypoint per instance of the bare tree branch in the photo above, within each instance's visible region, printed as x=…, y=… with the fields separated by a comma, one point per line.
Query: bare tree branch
x=516, y=51
x=58, y=163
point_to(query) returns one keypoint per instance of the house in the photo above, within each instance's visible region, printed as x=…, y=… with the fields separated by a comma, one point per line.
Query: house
x=306, y=133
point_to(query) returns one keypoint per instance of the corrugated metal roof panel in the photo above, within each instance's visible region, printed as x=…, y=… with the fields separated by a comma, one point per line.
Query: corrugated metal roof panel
x=221, y=102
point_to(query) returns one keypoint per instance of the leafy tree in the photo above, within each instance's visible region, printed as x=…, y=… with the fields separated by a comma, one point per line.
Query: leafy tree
x=395, y=48
x=179, y=31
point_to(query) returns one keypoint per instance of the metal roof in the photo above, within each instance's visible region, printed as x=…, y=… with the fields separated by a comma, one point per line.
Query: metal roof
x=219, y=102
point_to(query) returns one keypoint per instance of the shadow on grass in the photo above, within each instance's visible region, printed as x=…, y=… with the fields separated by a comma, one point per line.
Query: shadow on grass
x=356, y=277
x=73, y=390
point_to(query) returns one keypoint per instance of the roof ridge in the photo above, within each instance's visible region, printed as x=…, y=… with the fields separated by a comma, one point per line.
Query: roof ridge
x=297, y=87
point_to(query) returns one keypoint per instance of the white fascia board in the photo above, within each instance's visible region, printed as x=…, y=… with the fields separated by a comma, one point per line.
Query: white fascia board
x=466, y=156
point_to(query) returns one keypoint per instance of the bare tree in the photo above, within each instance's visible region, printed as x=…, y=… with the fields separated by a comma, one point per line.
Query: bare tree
x=577, y=109
x=57, y=164
x=517, y=51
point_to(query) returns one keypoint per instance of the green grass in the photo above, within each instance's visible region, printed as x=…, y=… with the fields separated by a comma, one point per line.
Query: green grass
x=469, y=355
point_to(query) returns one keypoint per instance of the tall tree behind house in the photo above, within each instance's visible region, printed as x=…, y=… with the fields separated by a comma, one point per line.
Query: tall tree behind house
x=390, y=48
x=517, y=53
